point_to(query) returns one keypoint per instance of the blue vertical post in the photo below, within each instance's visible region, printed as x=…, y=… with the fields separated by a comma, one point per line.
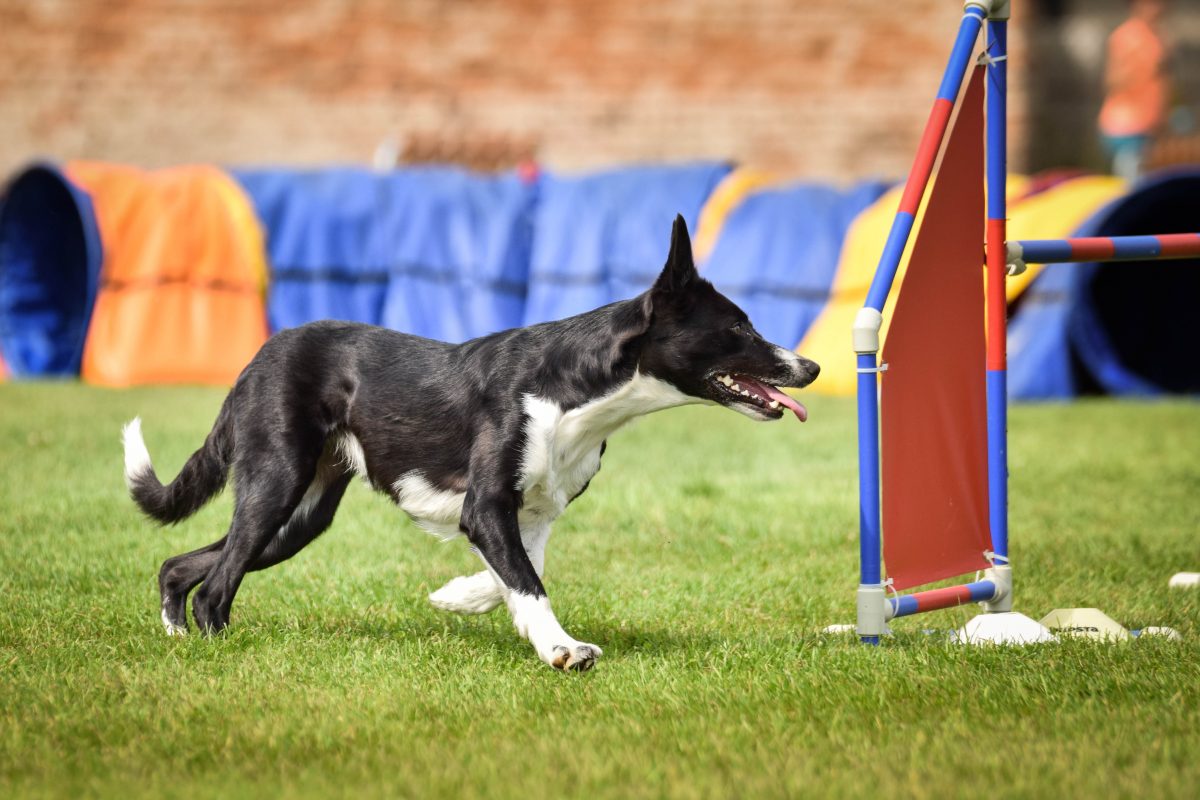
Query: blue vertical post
x=867, y=324
x=997, y=304
x=869, y=539
x=997, y=367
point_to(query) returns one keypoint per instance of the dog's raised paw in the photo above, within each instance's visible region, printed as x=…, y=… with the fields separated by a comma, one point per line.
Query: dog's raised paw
x=577, y=658
x=469, y=594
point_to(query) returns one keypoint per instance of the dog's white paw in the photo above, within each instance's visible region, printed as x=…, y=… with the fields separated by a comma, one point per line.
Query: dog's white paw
x=171, y=628
x=577, y=657
x=468, y=594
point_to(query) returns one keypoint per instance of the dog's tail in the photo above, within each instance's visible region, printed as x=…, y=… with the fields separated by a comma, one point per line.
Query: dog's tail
x=204, y=474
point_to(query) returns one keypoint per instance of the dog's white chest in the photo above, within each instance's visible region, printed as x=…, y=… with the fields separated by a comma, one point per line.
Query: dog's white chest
x=562, y=448
x=561, y=456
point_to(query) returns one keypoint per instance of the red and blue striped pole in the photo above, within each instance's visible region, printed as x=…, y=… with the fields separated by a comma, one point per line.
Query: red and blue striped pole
x=934, y=599
x=870, y=319
x=974, y=13
x=1104, y=248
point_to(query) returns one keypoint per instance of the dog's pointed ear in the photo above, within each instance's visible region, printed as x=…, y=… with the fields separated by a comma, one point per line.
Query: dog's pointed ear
x=680, y=270
x=630, y=325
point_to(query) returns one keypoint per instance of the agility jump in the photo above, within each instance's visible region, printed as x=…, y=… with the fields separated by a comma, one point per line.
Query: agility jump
x=936, y=480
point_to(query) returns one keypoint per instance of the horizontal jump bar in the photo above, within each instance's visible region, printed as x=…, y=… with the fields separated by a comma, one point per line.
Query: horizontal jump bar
x=933, y=599
x=1104, y=248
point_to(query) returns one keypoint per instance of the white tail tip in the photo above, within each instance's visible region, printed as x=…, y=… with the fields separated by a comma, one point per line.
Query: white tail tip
x=137, y=457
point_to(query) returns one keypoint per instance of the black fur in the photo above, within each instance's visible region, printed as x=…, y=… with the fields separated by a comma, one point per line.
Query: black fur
x=454, y=413
x=202, y=477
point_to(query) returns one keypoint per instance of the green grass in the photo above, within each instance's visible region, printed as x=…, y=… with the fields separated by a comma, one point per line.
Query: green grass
x=705, y=557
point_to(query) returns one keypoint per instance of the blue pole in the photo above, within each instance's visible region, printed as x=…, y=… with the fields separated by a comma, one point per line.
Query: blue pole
x=997, y=368
x=869, y=544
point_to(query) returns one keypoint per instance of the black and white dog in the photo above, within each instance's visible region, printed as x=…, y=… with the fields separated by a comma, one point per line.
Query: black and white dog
x=492, y=438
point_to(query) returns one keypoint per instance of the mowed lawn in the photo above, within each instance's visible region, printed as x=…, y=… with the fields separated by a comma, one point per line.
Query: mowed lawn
x=704, y=559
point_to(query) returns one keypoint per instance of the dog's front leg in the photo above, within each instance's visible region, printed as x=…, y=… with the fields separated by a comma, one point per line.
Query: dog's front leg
x=481, y=592
x=489, y=519
x=469, y=594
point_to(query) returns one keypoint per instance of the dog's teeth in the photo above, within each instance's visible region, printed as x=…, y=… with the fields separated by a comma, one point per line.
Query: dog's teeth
x=725, y=379
x=736, y=388
x=773, y=404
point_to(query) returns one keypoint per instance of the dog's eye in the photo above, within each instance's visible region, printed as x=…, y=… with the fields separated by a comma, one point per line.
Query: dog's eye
x=743, y=328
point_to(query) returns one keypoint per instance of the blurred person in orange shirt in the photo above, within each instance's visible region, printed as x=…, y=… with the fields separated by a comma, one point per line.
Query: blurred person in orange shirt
x=1136, y=85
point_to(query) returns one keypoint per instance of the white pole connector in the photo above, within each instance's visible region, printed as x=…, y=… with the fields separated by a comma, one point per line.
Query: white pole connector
x=867, y=323
x=871, y=615
x=986, y=5
x=1014, y=256
x=1001, y=575
x=1001, y=10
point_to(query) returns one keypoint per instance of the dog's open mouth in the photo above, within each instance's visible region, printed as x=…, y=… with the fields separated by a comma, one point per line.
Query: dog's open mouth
x=771, y=399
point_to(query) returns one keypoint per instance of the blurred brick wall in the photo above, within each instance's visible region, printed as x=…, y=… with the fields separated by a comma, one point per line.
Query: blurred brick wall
x=820, y=88
x=830, y=88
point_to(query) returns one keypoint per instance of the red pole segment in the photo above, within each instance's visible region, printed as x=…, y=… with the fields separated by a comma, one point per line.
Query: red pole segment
x=927, y=150
x=997, y=304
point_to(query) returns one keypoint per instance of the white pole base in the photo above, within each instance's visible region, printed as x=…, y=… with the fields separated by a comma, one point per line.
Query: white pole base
x=1184, y=580
x=1009, y=627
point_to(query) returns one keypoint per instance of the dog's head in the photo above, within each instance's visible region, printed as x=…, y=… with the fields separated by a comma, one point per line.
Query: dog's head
x=703, y=344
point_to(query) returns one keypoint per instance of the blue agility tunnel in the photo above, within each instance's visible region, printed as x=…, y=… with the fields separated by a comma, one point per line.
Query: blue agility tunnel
x=778, y=251
x=604, y=236
x=318, y=228
x=1115, y=328
x=434, y=251
x=50, y=260
x=459, y=244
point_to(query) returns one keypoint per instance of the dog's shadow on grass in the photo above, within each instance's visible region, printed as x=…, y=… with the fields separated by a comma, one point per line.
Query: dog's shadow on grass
x=494, y=631
x=657, y=642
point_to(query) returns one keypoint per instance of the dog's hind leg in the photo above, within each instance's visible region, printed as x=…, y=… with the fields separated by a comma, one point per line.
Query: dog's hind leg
x=480, y=593
x=177, y=577
x=258, y=516
x=308, y=521
x=271, y=492
x=180, y=574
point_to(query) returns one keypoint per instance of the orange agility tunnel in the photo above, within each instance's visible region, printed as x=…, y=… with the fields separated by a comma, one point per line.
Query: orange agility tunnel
x=180, y=297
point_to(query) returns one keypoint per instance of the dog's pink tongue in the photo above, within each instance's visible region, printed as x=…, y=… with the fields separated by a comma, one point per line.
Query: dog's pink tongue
x=784, y=399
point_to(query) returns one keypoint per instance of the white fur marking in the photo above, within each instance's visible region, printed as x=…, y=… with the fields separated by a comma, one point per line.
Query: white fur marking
x=536, y=622
x=435, y=510
x=562, y=449
x=534, y=537
x=788, y=357
x=171, y=628
x=312, y=496
x=469, y=594
x=481, y=592
x=350, y=449
x=137, y=457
